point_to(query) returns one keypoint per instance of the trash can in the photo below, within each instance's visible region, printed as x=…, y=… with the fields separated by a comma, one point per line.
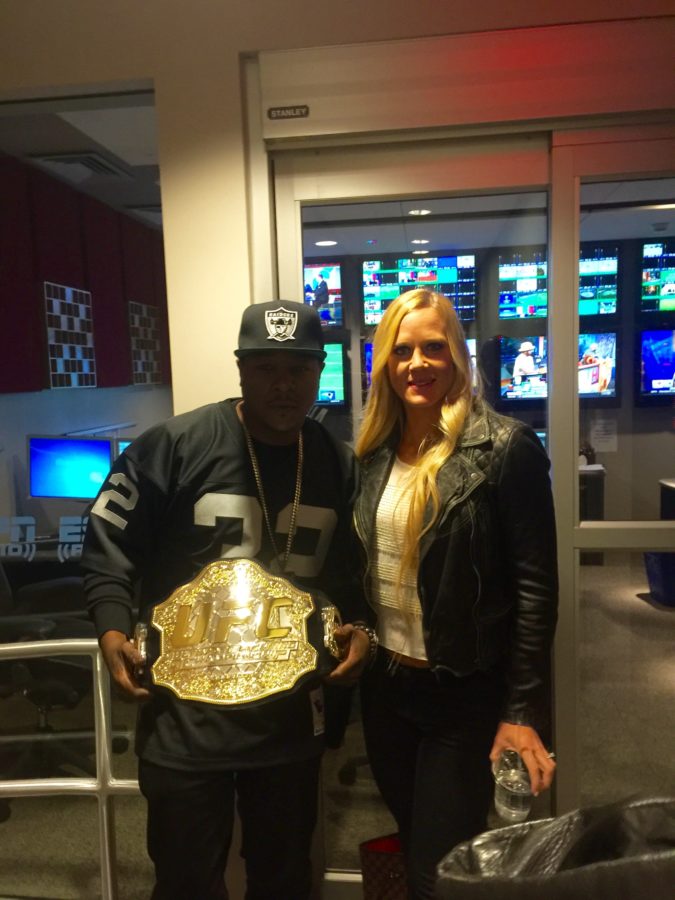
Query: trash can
x=661, y=577
x=620, y=851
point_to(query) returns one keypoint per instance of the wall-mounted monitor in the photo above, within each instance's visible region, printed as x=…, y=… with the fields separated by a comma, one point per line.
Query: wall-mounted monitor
x=523, y=368
x=523, y=285
x=367, y=364
x=472, y=347
x=658, y=277
x=121, y=445
x=597, y=364
x=67, y=468
x=598, y=280
x=453, y=276
x=323, y=291
x=657, y=362
x=333, y=381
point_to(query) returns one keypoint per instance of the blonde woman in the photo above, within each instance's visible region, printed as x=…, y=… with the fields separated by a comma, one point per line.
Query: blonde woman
x=456, y=519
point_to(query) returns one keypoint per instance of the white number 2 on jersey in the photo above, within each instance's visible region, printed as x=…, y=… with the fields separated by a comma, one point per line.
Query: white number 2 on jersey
x=126, y=499
x=247, y=509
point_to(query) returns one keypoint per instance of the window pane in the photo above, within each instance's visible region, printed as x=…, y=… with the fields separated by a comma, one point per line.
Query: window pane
x=627, y=690
x=626, y=357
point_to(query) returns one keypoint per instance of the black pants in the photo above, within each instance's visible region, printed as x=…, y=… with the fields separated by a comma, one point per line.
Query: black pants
x=190, y=822
x=428, y=744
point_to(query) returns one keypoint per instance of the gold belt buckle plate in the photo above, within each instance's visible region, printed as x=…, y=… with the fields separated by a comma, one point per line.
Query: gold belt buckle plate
x=234, y=634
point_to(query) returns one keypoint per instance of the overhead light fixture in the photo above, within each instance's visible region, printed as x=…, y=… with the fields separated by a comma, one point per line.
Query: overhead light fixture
x=419, y=212
x=419, y=252
x=659, y=206
x=325, y=243
x=419, y=241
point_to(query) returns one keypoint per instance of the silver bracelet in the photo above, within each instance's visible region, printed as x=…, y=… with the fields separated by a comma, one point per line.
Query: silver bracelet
x=373, y=642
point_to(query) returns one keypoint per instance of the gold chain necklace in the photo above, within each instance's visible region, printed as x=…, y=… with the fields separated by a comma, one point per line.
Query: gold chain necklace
x=261, y=495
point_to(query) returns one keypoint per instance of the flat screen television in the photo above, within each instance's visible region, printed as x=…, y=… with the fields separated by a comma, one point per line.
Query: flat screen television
x=523, y=285
x=67, y=468
x=453, y=276
x=658, y=277
x=523, y=368
x=657, y=363
x=323, y=291
x=598, y=280
x=597, y=364
x=472, y=346
x=121, y=445
x=367, y=363
x=542, y=435
x=332, y=384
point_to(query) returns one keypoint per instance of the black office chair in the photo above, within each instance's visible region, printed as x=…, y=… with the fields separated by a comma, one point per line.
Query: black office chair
x=55, y=610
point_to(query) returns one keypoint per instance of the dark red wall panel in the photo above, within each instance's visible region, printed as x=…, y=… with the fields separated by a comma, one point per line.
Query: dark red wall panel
x=138, y=261
x=51, y=232
x=102, y=233
x=23, y=354
x=57, y=231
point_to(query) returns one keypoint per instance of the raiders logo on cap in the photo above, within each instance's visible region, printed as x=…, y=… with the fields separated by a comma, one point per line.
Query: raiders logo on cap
x=281, y=324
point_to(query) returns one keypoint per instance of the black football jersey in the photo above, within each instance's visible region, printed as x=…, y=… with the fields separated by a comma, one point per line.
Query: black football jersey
x=184, y=494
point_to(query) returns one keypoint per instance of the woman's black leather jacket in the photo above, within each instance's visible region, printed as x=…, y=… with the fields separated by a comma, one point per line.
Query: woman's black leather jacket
x=487, y=577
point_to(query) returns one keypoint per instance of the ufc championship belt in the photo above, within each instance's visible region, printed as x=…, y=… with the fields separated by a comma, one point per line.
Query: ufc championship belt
x=236, y=634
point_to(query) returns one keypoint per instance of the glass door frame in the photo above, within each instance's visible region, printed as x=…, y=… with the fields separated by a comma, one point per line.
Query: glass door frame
x=579, y=156
x=556, y=161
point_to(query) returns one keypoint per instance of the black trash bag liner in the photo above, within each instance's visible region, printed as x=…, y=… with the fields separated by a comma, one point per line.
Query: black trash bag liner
x=620, y=851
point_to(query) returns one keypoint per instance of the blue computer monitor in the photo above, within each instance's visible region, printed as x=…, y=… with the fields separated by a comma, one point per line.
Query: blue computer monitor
x=67, y=468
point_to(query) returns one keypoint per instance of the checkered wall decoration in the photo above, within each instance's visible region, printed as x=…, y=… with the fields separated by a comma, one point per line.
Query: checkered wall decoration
x=70, y=336
x=145, y=346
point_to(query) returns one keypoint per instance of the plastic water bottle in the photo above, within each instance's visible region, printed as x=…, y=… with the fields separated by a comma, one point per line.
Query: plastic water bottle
x=513, y=794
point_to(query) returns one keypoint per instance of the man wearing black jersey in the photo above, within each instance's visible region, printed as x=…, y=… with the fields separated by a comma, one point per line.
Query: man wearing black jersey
x=250, y=479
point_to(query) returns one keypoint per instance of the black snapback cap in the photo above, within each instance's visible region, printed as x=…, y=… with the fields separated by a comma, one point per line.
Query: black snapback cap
x=280, y=325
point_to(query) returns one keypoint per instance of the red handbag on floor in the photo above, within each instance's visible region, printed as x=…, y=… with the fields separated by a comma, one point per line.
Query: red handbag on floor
x=383, y=869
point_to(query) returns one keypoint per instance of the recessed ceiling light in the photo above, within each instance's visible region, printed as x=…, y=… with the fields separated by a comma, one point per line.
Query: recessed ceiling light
x=325, y=243
x=419, y=241
x=419, y=212
x=419, y=252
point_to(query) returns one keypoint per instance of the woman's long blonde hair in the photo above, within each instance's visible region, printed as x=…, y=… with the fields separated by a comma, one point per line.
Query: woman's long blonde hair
x=384, y=413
